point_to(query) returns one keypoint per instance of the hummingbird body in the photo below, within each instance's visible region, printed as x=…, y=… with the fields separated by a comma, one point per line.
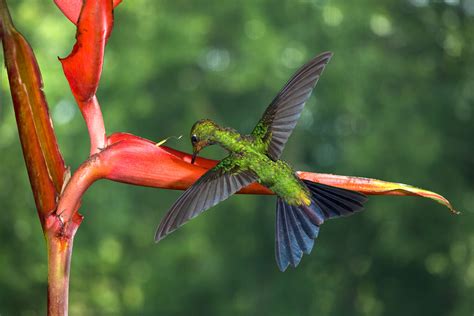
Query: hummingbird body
x=302, y=206
x=249, y=154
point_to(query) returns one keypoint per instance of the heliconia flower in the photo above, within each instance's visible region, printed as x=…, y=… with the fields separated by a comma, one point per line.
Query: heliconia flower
x=138, y=161
x=135, y=160
x=46, y=168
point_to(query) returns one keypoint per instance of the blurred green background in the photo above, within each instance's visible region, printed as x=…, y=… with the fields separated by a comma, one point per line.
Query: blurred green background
x=395, y=103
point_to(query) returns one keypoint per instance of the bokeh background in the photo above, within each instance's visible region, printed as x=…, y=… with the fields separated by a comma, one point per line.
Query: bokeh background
x=395, y=103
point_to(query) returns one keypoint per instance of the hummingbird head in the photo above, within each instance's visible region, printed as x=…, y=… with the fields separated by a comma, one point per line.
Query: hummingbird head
x=202, y=135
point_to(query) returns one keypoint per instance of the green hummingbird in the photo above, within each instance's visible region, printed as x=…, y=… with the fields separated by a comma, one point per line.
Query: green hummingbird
x=302, y=206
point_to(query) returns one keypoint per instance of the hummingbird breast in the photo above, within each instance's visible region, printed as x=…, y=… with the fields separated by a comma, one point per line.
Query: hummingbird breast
x=279, y=177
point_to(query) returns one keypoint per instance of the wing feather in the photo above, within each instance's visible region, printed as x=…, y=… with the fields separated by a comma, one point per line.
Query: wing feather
x=213, y=187
x=283, y=113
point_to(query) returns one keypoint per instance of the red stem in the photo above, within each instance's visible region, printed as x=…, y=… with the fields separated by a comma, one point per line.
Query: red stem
x=92, y=114
x=59, y=241
x=59, y=264
x=89, y=172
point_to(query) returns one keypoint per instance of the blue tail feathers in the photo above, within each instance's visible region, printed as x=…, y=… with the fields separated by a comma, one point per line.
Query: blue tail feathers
x=298, y=225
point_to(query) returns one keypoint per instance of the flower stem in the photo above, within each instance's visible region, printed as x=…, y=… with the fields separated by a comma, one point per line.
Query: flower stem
x=59, y=263
x=59, y=241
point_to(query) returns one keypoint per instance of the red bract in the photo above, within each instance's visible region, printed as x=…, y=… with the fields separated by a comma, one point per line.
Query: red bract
x=83, y=67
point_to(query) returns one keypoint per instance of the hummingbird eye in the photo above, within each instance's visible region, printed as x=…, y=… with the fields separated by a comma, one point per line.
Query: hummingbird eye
x=194, y=139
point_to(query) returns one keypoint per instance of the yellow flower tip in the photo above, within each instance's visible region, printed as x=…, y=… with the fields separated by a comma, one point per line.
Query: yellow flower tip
x=449, y=206
x=446, y=203
x=161, y=142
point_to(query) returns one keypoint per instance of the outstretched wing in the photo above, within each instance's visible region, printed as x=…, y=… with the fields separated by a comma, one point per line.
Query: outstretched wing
x=282, y=114
x=213, y=187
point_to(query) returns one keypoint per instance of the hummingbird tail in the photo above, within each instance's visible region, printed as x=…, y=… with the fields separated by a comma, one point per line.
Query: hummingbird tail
x=298, y=225
x=295, y=232
x=335, y=202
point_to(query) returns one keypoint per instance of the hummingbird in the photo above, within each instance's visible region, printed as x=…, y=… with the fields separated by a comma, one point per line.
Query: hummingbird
x=302, y=206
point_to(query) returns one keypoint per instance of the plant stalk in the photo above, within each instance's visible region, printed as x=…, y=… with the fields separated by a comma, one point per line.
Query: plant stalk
x=59, y=264
x=59, y=241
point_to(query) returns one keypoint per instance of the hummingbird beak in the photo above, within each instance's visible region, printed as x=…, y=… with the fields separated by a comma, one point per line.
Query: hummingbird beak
x=195, y=152
x=196, y=149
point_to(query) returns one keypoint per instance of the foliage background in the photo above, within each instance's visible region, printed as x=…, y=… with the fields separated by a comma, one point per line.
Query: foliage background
x=395, y=103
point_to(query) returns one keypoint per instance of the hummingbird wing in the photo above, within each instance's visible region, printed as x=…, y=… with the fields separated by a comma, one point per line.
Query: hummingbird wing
x=213, y=187
x=282, y=114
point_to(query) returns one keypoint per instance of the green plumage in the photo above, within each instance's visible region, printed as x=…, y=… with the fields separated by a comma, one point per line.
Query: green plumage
x=249, y=153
